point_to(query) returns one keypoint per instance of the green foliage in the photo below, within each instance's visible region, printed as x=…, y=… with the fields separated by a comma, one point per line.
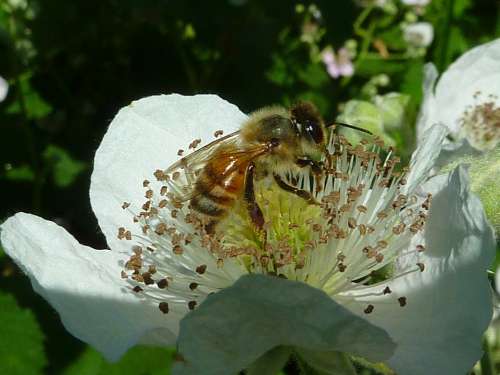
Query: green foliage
x=21, y=173
x=21, y=343
x=138, y=361
x=64, y=168
x=30, y=101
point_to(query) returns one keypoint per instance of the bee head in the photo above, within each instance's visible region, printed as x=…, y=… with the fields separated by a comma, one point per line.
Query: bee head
x=310, y=128
x=308, y=122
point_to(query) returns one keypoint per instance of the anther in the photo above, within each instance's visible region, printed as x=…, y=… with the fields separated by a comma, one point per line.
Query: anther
x=192, y=305
x=163, y=306
x=201, y=269
x=369, y=309
x=162, y=284
x=402, y=301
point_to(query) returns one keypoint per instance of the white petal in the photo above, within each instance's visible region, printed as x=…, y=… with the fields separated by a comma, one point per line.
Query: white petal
x=424, y=157
x=449, y=303
x=84, y=286
x=424, y=120
x=143, y=137
x=475, y=71
x=4, y=89
x=236, y=326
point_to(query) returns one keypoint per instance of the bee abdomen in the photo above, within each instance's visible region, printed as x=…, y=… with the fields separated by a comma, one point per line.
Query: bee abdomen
x=205, y=205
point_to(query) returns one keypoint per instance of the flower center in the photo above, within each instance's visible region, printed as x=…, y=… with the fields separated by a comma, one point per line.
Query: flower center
x=362, y=223
x=481, y=124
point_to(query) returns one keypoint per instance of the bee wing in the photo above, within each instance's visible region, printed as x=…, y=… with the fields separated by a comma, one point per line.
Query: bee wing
x=190, y=166
x=197, y=159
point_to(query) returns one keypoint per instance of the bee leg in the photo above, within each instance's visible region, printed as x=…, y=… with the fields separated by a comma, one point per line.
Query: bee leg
x=299, y=192
x=253, y=208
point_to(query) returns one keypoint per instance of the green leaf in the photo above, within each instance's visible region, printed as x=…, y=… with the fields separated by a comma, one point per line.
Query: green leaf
x=21, y=173
x=138, y=361
x=460, y=6
x=279, y=73
x=21, y=341
x=90, y=362
x=65, y=169
x=373, y=64
x=36, y=107
x=393, y=38
x=314, y=75
x=412, y=81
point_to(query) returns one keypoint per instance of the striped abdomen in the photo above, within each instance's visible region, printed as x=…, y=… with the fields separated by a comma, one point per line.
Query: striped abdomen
x=216, y=190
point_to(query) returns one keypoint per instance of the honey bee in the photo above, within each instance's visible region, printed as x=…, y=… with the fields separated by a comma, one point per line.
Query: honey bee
x=272, y=141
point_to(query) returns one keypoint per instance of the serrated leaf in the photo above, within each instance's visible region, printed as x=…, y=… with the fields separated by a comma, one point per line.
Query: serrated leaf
x=65, y=169
x=21, y=340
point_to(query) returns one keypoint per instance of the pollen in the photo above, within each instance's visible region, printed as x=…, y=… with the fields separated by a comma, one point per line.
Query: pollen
x=481, y=122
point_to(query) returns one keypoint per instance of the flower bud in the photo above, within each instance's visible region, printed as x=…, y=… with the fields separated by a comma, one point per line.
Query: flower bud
x=393, y=107
x=367, y=116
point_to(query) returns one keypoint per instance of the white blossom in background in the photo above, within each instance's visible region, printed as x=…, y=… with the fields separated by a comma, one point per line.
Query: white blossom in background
x=427, y=317
x=419, y=34
x=466, y=99
x=337, y=65
x=4, y=89
x=419, y=3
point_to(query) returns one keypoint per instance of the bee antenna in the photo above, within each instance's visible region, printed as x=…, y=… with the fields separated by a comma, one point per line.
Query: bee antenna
x=350, y=126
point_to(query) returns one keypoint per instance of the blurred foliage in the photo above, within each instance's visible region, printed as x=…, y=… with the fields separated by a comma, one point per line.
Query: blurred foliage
x=21, y=348
x=72, y=64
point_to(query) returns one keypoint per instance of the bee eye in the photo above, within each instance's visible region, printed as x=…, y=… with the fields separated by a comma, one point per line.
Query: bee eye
x=313, y=130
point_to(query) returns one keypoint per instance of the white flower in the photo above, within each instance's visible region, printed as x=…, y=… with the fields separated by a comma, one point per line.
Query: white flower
x=427, y=317
x=420, y=3
x=4, y=89
x=466, y=99
x=419, y=34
